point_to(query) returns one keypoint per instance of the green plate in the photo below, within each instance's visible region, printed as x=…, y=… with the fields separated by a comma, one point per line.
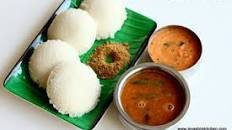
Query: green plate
x=135, y=31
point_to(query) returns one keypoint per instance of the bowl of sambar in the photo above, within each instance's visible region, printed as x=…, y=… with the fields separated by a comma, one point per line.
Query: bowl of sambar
x=151, y=96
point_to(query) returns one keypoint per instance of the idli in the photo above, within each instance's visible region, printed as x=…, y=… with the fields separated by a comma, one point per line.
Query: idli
x=73, y=88
x=76, y=27
x=109, y=15
x=46, y=56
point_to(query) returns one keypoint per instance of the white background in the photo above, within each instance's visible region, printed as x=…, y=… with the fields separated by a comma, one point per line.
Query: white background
x=210, y=86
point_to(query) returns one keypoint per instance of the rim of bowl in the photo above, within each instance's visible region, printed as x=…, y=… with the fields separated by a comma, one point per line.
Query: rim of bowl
x=182, y=27
x=121, y=83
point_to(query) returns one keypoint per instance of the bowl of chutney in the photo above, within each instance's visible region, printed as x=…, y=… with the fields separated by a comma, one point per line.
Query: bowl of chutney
x=175, y=46
x=151, y=96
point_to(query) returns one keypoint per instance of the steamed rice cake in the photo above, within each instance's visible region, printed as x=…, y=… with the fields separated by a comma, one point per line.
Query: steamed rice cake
x=76, y=27
x=73, y=88
x=109, y=15
x=46, y=56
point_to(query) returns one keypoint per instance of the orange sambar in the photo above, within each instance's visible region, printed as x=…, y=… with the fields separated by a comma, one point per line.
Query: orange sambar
x=175, y=46
x=152, y=97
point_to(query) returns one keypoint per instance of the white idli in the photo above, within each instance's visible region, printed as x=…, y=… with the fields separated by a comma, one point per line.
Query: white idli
x=76, y=27
x=46, y=56
x=73, y=88
x=109, y=15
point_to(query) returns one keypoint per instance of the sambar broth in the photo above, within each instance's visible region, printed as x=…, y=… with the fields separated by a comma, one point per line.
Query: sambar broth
x=152, y=97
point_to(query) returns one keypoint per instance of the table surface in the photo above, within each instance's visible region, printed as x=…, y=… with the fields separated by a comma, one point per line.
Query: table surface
x=210, y=85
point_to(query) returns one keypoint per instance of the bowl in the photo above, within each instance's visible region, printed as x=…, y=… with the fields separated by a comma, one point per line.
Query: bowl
x=188, y=36
x=126, y=119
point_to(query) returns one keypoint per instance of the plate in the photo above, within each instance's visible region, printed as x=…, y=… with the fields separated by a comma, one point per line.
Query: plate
x=135, y=31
